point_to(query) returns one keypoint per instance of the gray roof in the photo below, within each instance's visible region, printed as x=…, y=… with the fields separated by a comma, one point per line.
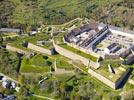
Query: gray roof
x=130, y=60
x=125, y=53
x=112, y=46
x=117, y=28
x=84, y=28
x=9, y=30
x=10, y=97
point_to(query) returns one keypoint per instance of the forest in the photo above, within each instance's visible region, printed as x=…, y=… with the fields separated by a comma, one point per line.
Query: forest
x=32, y=13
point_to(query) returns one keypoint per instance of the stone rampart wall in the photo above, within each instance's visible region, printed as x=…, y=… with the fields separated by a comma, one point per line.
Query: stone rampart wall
x=84, y=50
x=102, y=78
x=71, y=55
x=75, y=56
x=111, y=84
x=39, y=49
x=14, y=49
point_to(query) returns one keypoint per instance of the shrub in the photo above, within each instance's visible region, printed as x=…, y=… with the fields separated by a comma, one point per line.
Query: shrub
x=45, y=57
x=48, y=63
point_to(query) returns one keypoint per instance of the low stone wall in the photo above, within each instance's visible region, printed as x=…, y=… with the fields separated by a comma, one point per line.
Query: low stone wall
x=39, y=49
x=102, y=78
x=74, y=56
x=14, y=49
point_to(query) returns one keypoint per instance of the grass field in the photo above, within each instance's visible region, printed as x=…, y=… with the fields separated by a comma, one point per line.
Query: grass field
x=58, y=40
x=64, y=65
x=36, y=64
x=39, y=63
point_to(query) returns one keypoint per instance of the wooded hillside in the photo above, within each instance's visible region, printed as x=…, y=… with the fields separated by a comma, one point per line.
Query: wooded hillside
x=35, y=12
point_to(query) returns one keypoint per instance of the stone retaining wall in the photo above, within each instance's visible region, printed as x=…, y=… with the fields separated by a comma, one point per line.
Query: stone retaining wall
x=14, y=49
x=84, y=50
x=108, y=82
x=74, y=56
x=102, y=78
x=39, y=49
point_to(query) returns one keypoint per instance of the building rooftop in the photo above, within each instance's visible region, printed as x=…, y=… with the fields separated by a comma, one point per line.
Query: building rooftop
x=9, y=30
x=117, y=28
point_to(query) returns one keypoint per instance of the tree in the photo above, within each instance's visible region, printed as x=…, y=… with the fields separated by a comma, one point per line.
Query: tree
x=45, y=57
x=86, y=91
x=48, y=63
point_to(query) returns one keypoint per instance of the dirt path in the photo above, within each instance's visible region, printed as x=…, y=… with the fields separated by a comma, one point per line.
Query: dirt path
x=9, y=78
x=43, y=97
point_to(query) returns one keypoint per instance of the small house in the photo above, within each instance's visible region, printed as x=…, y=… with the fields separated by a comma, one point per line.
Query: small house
x=4, y=79
x=10, y=97
x=13, y=85
x=6, y=84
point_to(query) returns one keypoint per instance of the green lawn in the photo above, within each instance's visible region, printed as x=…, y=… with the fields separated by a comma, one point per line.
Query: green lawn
x=39, y=64
x=104, y=71
x=63, y=77
x=90, y=57
x=64, y=65
x=36, y=64
x=113, y=62
x=58, y=40
x=81, y=66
